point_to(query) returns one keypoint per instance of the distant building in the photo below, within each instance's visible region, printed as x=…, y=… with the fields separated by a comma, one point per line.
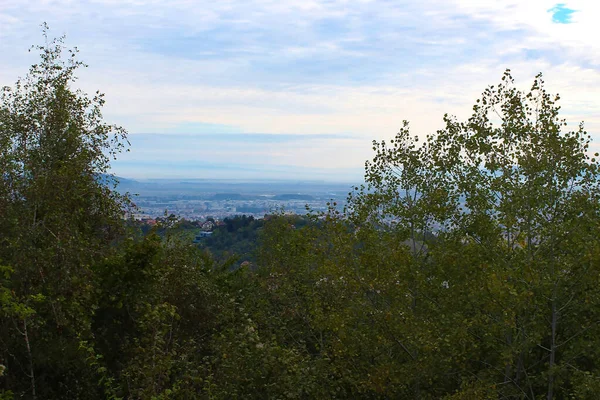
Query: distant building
x=207, y=226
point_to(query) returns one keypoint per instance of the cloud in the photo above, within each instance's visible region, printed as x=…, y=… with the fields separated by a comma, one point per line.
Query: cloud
x=345, y=72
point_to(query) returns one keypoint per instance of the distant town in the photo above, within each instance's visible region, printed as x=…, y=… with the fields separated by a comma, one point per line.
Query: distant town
x=199, y=200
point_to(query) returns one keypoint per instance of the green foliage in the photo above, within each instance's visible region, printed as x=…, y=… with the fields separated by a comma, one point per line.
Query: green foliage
x=466, y=267
x=513, y=201
x=238, y=238
x=236, y=241
x=156, y=305
x=57, y=218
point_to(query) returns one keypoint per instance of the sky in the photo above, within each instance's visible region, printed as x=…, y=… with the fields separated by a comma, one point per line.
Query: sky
x=298, y=89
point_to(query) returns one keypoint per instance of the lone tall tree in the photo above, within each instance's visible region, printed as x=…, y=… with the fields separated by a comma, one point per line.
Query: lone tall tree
x=57, y=216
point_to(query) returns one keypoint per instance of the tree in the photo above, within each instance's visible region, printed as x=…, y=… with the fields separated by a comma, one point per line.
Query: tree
x=58, y=215
x=466, y=267
x=513, y=201
x=157, y=307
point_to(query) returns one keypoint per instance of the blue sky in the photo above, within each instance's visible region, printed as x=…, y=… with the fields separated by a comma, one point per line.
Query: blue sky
x=299, y=88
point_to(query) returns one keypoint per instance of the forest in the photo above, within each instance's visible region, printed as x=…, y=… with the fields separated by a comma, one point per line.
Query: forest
x=467, y=266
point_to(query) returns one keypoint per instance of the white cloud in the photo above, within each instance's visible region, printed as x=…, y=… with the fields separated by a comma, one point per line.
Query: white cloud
x=310, y=66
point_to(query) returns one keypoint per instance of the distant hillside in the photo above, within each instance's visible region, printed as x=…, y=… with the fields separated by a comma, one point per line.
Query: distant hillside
x=233, y=196
x=293, y=196
x=108, y=179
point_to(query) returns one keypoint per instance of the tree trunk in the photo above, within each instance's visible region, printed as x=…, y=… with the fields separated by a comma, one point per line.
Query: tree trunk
x=31, y=372
x=552, y=349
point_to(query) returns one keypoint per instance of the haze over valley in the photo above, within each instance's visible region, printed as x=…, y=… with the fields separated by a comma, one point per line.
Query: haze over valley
x=197, y=199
